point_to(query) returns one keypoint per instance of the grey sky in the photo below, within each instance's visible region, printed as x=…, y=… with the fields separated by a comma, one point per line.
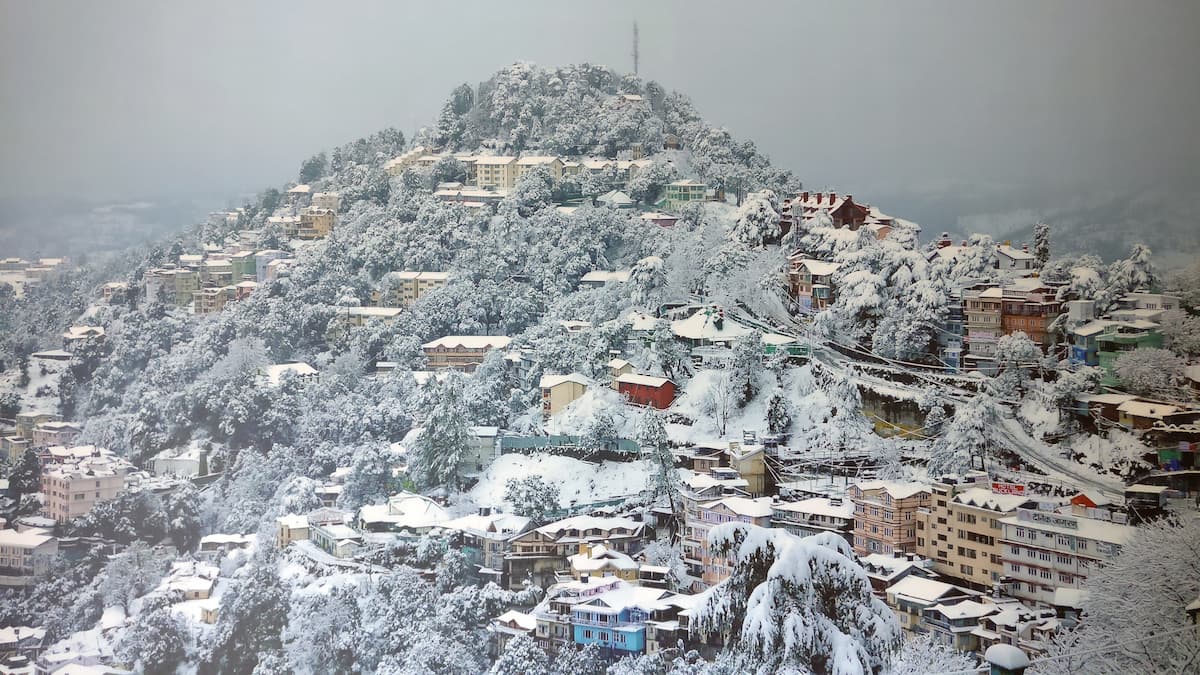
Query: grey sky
x=126, y=99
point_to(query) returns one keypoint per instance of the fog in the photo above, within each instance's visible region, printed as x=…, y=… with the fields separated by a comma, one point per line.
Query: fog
x=914, y=100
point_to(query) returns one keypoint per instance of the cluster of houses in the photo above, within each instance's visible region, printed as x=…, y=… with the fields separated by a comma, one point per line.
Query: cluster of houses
x=19, y=272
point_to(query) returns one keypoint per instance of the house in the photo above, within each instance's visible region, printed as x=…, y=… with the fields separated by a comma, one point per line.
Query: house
x=47, y=434
x=244, y=267
x=1138, y=415
x=462, y=352
x=508, y=626
x=186, y=462
x=25, y=556
x=983, y=325
x=1084, y=347
x=27, y=421
x=71, y=488
x=618, y=367
x=885, y=515
x=559, y=391
x=885, y=570
x=843, y=212
x=262, y=259
x=398, y=289
x=78, y=335
x=955, y=624
x=1031, y=307
x=659, y=218
x=289, y=528
x=749, y=460
x=114, y=291
x=1144, y=306
x=671, y=142
x=497, y=173
x=274, y=375
x=397, y=165
x=595, y=561
x=814, y=516
x=194, y=581
x=1120, y=338
x=360, y=316
x=473, y=200
x=616, y=619
x=912, y=595
x=536, y=555
x=679, y=193
x=526, y=164
x=1019, y=260
x=316, y=223
x=709, y=326
x=810, y=282
x=407, y=514
x=482, y=450
x=1046, y=551
x=647, y=390
x=700, y=517
x=615, y=199
x=21, y=640
x=959, y=530
x=339, y=541
x=223, y=543
x=328, y=201
x=484, y=538
x=598, y=278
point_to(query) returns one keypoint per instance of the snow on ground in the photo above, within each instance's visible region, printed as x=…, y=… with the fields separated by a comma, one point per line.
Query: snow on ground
x=1042, y=417
x=44, y=375
x=1118, y=450
x=573, y=420
x=579, y=482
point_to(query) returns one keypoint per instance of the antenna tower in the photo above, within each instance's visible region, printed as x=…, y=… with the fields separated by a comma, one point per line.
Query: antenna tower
x=635, y=48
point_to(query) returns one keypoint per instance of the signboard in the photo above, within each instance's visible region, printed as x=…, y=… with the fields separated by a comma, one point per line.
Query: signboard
x=1051, y=519
x=1008, y=489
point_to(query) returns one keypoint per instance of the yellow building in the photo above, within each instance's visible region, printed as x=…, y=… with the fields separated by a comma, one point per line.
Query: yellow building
x=558, y=391
x=403, y=288
x=461, y=352
x=527, y=164
x=597, y=562
x=316, y=223
x=497, y=173
x=397, y=165
x=960, y=529
x=750, y=461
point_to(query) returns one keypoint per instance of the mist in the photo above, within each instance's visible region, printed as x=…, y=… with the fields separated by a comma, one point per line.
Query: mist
x=921, y=103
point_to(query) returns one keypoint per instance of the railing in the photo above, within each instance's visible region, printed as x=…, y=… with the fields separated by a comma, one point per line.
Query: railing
x=580, y=621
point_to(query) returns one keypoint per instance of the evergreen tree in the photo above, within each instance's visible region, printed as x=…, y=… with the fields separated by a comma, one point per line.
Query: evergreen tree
x=521, y=656
x=746, y=367
x=251, y=620
x=445, y=437
x=1041, y=245
x=532, y=497
x=779, y=414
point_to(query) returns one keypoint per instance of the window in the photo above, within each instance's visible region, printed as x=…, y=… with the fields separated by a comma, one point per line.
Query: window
x=587, y=633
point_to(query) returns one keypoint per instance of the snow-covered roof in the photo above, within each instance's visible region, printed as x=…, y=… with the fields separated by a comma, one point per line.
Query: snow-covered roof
x=640, y=321
x=26, y=539
x=1147, y=409
x=922, y=589
x=821, y=506
x=897, y=489
x=584, y=523
x=1006, y=656
x=1094, y=327
x=535, y=160
x=10, y=635
x=384, y=312
x=274, y=373
x=818, y=268
x=405, y=510
x=617, y=363
x=985, y=498
x=1105, y=399
x=625, y=595
x=524, y=621
x=686, y=182
x=744, y=506
x=703, y=326
x=643, y=380
x=615, y=197
x=301, y=189
x=551, y=381
x=342, y=531
x=222, y=539
x=966, y=609
x=493, y=525
x=599, y=557
x=1087, y=528
x=469, y=342
x=604, y=276
x=498, y=159
x=292, y=521
x=1014, y=253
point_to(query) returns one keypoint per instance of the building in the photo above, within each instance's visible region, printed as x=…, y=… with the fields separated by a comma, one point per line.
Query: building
x=814, y=516
x=1019, y=260
x=264, y=258
x=598, y=278
x=406, y=514
x=172, y=286
x=885, y=514
x=482, y=451
x=508, y=626
x=700, y=517
x=983, y=325
x=559, y=391
x=1046, y=551
x=70, y=489
x=47, y=434
x=526, y=164
x=21, y=640
x=618, y=367
x=616, y=619
x=595, y=561
x=403, y=288
x=273, y=375
x=956, y=624
x=338, y=540
x=616, y=199
x=484, y=539
x=461, y=352
x=78, y=335
x=289, y=528
x=25, y=556
x=1143, y=306
x=912, y=595
x=749, y=460
x=360, y=316
x=497, y=173
x=27, y=421
x=810, y=283
x=329, y=201
x=679, y=193
x=1140, y=415
x=244, y=267
x=885, y=570
x=536, y=555
x=647, y=390
x=1117, y=339
x=1029, y=307
x=960, y=528
x=397, y=165
x=211, y=299
x=316, y=223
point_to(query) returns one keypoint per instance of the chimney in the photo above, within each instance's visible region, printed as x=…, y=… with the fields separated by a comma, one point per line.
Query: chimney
x=583, y=578
x=849, y=198
x=835, y=501
x=820, y=195
x=912, y=557
x=804, y=196
x=832, y=196
x=899, y=555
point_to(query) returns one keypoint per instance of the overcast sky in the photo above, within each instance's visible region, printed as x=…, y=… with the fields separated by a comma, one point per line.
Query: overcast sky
x=135, y=99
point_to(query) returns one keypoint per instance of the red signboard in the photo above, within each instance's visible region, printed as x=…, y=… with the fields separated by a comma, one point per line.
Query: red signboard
x=1008, y=488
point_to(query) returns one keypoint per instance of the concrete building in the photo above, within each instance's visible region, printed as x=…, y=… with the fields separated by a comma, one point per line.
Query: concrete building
x=681, y=192
x=984, y=325
x=700, y=517
x=398, y=289
x=25, y=556
x=559, y=391
x=461, y=352
x=960, y=528
x=885, y=514
x=526, y=164
x=72, y=488
x=497, y=173
x=814, y=516
x=55, y=433
x=316, y=223
x=1046, y=551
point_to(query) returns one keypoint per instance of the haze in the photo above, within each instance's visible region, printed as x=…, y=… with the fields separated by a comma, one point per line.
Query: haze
x=132, y=100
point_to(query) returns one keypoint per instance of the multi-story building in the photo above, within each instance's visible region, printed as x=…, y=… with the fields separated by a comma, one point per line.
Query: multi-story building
x=461, y=352
x=983, y=325
x=559, y=391
x=960, y=528
x=397, y=165
x=173, y=286
x=262, y=259
x=316, y=223
x=679, y=193
x=216, y=272
x=211, y=299
x=1117, y=339
x=361, y=316
x=810, y=283
x=1018, y=260
x=814, y=516
x=1143, y=306
x=496, y=173
x=28, y=421
x=72, y=488
x=1046, y=551
x=403, y=288
x=700, y=517
x=885, y=515
x=484, y=539
x=25, y=556
x=913, y=594
x=527, y=164
x=536, y=555
x=597, y=562
x=55, y=433
x=1029, y=307
x=328, y=201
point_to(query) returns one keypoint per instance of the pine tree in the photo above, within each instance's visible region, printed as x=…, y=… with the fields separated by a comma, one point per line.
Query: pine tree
x=1041, y=244
x=746, y=366
x=521, y=656
x=532, y=497
x=445, y=438
x=664, y=479
x=779, y=415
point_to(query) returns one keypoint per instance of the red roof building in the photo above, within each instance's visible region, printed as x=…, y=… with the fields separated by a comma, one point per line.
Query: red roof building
x=647, y=390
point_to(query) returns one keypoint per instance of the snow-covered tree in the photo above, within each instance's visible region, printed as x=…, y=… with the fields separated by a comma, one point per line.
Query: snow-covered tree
x=795, y=604
x=532, y=191
x=966, y=438
x=664, y=479
x=571, y=660
x=757, y=220
x=779, y=413
x=370, y=480
x=445, y=438
x=1128, y=275
x=253, y=613
x=601, y=431
x=745, y=369
x=156, y=642
x=1133, y=613
x=647, y=276
x=1041, y=244
x=1155, y=372
x=1181, y=333
x=1015, y=355
x=521, y=656
x=532, y=497
x=924, y=654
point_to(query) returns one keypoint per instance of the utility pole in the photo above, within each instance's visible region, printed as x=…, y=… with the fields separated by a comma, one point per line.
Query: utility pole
x=635, y=48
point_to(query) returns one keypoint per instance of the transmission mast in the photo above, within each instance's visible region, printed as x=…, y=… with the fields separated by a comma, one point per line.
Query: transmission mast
x=635, y=48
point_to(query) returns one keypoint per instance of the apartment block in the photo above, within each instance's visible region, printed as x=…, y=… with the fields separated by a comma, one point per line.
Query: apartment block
x=25, y=556
x=885, y=515
x=72, y=488
x=497, y=173
x=461, y=352
x=403, y=288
